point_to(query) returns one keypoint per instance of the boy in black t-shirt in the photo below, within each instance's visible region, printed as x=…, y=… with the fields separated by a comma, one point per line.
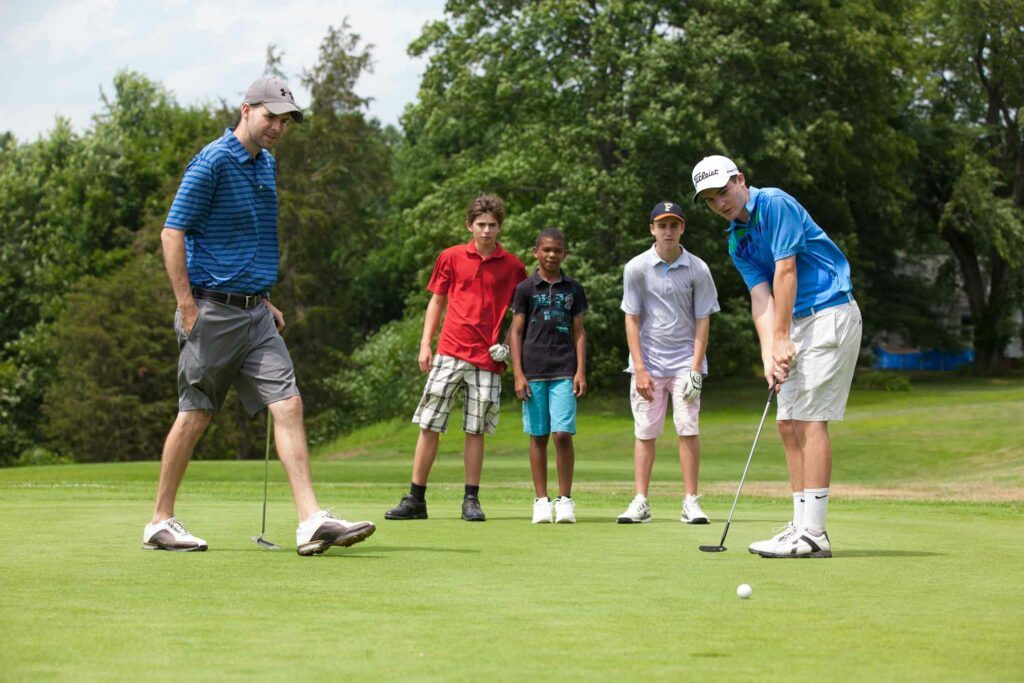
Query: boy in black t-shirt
x=549, y=358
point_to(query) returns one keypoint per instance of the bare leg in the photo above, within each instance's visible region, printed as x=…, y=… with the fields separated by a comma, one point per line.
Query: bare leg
x=473, y=457
x=643, y=462
x=181, y=440
x=565, y=458
x=689, y=462
x=794, y=454
x=817, y=453
x=539, y=464
x=293, y=452
x=426, y=453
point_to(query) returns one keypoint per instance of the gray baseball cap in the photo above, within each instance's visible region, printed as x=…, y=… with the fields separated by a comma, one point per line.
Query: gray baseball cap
x=275, y=95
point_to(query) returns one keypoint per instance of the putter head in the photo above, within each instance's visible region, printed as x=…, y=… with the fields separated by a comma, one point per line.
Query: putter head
x=262, y=542
x=712, y=548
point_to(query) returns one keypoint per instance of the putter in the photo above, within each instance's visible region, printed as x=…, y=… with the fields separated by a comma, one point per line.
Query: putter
x=259, y=540
x=720, y=548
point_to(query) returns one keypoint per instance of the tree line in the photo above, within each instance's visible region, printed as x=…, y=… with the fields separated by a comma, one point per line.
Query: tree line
x=895, y=123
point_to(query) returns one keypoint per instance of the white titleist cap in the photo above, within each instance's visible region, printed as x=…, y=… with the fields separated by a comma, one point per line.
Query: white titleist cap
x=713, y=171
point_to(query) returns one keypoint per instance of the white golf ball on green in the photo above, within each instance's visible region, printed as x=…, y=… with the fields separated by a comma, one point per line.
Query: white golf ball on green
x=744, y=590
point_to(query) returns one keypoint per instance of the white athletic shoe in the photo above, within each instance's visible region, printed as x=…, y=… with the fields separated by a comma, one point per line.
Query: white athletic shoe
x=638, y=512
x=774, y=543
x=171, y=534
x=565, y=510
x=692, y=514
x=541, y=510
x=799, y=543
x=323, y=529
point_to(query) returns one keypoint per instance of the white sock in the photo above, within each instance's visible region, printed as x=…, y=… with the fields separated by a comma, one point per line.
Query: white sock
x=814, y=509
x=798, y=508
x=541, y=500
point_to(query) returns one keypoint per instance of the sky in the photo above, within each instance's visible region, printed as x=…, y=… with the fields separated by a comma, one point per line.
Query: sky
x=59, y=54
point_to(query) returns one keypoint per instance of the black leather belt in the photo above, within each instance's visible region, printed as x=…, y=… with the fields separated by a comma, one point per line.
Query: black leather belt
x=229, y=298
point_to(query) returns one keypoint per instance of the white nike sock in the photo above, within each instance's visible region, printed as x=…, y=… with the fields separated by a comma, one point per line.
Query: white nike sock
x=798, y=508
x=815, y=507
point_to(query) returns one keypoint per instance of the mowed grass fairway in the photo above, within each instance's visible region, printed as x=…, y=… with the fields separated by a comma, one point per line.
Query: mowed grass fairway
x=925, y=583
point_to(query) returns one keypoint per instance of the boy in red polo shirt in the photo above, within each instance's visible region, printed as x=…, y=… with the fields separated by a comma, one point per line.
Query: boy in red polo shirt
x=477, y=281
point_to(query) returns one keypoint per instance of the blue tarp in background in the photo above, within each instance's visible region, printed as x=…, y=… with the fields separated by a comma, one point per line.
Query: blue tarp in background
x=922, y=360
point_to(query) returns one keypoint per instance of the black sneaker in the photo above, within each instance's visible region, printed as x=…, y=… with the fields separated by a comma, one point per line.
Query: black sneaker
x=410, y=507
x=471, y=511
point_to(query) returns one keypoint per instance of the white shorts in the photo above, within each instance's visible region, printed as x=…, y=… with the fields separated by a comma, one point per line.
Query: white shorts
x=827, y=345
x=649, y=416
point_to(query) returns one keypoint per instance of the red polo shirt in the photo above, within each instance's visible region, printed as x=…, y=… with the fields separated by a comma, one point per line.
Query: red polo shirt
x=479, y=292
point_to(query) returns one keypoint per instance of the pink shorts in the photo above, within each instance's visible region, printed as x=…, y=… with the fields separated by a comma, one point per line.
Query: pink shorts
x=649, y=416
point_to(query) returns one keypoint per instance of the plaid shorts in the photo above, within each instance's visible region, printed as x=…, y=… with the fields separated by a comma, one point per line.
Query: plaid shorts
x=447, y=377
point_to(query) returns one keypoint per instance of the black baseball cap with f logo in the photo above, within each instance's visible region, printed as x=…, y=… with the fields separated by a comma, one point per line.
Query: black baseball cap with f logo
x=667, y=208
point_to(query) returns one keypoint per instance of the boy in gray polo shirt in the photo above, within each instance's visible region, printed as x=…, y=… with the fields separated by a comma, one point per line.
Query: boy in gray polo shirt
x=668, y=296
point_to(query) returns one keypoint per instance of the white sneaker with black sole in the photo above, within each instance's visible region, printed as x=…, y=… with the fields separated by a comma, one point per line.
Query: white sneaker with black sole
x=541, y=510
x=799, y=543
x=638, y=512
x=565, y=510
x=323, y=529
x=692, y=514
x=171, y=534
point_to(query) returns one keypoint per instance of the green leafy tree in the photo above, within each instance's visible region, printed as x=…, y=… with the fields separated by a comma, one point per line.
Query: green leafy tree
x=70, y=207
x=971, y=182
x=582, y=114
x=112, y=397
x=335, y=176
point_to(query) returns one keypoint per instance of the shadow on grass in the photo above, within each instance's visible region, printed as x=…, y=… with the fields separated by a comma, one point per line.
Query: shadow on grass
x=412, y=549
x=377, y=551
x=884, y=553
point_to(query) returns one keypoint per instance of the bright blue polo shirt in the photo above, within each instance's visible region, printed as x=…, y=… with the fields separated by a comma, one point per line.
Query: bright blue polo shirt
x=779, y=228
x=227, y=206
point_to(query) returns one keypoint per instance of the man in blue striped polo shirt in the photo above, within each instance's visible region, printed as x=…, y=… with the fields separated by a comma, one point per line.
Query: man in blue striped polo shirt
x=809, y=327
x=221, y=254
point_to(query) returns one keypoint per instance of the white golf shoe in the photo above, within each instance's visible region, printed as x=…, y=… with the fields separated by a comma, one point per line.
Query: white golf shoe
x=541, y=510
x=794, y=542
x=638, y=512
x=322, y=530
x=692, y=514
x=171, y=534
x=774, y=543
x=565, y=510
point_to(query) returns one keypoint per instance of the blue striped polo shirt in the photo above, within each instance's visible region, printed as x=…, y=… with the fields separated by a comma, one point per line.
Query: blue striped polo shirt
x=780, y=227
x=227, y=206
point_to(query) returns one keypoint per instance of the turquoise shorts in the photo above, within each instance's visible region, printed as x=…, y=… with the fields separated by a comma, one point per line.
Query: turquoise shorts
x=550, y=408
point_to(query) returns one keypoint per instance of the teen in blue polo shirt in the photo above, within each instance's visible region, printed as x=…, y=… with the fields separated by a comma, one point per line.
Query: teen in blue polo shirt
x=221, y=254
x=809, y=327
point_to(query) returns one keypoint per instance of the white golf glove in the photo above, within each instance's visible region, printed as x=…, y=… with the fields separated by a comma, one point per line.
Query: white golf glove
x=692, y=383
x=499, y=352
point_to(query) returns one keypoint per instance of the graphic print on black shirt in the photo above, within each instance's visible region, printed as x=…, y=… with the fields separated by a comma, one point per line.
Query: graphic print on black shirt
x=549, y=351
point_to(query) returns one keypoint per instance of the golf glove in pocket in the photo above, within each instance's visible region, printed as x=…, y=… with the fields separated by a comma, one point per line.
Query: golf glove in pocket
x=499, y=352
x=692, y=383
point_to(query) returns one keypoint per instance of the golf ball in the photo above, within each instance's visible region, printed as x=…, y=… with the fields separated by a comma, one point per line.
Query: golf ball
x=744, y=590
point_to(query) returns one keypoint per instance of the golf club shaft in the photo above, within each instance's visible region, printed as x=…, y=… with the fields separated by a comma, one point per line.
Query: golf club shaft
x=266, y=473
x=771, y=393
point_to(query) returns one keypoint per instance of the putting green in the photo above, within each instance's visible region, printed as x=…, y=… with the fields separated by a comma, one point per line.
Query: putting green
x=924, y=584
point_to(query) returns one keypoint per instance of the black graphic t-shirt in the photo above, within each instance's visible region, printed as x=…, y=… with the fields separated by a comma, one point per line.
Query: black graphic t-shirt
x=550, y=307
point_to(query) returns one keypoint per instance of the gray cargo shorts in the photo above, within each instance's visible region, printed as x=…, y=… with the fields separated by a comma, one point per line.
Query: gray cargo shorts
x=232, y=346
